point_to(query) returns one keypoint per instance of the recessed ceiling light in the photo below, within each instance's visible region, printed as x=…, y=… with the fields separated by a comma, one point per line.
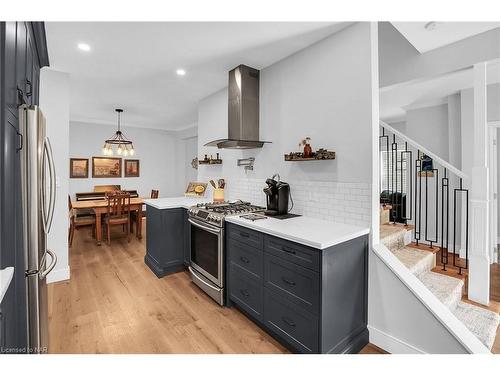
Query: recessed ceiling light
x=84, y=47
x=429, y=26
x=180, y=72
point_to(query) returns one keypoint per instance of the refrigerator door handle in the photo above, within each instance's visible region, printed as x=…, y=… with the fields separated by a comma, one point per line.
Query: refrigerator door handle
x=44, y=271
x=47, y=153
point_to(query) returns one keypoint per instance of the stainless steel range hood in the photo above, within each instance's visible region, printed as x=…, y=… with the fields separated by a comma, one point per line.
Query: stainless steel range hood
x=243, y=110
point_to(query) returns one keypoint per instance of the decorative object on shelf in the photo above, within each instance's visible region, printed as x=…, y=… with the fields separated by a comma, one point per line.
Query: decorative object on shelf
x=426, y=166
x=247, y=163
x=324, y=154
x=125, y=146
x=321, y=154
x=194, y=163
x=106, y=167
x=78, y=168
x=196, y=189
x=131, y=167
x=307, y=147
x=211, y=160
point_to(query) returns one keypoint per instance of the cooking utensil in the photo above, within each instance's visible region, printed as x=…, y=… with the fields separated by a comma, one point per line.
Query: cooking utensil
x=213, y=184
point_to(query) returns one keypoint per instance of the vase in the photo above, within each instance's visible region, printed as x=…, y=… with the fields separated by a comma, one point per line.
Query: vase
x=307, y=150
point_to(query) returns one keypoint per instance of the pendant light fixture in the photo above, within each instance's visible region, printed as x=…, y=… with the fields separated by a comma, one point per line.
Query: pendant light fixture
x=125, y=146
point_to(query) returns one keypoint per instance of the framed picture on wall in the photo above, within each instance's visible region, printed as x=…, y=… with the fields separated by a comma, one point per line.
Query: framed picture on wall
x=131, y=168
x=78, y=168
x=106, y=167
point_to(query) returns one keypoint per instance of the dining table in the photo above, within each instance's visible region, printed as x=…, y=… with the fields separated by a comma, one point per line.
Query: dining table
x=100, y=206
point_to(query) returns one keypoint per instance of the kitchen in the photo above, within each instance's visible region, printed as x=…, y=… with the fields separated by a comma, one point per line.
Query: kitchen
x=221, y=243
x=257, y=200
x=161, y=195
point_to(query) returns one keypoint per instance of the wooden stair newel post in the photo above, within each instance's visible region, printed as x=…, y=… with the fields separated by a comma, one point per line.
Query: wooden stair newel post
x=479, y=262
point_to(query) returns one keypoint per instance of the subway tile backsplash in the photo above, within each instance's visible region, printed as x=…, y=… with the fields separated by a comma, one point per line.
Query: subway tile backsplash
x=342, y=202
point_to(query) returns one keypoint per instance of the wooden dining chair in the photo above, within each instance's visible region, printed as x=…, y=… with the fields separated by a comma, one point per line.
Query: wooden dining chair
x=76, y=221
x=118, y=212
x=133, y=214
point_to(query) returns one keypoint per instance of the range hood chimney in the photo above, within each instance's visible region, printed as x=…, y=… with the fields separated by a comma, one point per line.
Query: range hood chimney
x=243, y=110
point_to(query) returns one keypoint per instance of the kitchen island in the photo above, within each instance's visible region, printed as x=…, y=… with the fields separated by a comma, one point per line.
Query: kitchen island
x=167, y=234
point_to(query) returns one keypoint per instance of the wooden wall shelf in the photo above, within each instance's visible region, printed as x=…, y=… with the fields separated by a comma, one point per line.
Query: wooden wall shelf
x=295, y=157
x=210, y=162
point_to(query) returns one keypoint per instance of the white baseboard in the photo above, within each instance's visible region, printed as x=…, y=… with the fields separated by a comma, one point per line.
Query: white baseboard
x=390, y=343
x=60, y=274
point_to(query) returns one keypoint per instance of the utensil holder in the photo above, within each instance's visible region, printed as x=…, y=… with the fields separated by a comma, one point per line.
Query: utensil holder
x=218, y=195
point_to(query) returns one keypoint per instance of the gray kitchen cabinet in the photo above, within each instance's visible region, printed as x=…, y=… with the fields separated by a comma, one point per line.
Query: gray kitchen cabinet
x=165, y=240
x=311, y=300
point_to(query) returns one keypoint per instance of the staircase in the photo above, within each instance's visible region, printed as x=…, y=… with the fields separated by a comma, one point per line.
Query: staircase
x=421, y=261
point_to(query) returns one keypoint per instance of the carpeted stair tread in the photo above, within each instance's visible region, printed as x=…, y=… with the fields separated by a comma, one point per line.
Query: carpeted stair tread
x=447, y=289
x=417, y=261
x=481, y=322
x=395, y=236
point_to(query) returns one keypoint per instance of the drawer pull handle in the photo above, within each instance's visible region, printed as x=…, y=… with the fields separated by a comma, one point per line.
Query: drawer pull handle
x=245, y=292
x=287, y=281
x=246, y=235
x=287, y=250
x=244, y=260
x=288, y=321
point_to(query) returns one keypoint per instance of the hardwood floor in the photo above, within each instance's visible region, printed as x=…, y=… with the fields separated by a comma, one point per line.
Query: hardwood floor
x=115, y=304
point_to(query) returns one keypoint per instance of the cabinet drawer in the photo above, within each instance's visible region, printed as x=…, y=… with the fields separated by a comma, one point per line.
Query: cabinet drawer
x=246, y=257
x=293, y=324
x=295, y=283
x=246, y=291
x=293, y=252
x=248, y=236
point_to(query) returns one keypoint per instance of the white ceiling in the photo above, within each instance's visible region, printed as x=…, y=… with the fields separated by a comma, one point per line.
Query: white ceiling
x=132, y=65
x=443, y=34
x=396, y=100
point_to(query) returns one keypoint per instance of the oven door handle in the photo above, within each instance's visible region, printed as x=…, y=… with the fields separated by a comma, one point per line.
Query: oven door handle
x=211, y=230
x=193, y=273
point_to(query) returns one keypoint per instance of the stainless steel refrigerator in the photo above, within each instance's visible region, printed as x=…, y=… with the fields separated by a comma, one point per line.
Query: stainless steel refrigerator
x=38, y=184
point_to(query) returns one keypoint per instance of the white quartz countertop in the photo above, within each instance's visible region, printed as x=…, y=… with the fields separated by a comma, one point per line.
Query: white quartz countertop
x=5, y=279
x=175, y=202
x=308, y=231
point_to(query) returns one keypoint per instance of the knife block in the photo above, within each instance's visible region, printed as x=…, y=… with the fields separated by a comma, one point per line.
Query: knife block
x=218, y=195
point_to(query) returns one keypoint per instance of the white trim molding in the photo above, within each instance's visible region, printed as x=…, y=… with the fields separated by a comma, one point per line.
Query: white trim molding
x=390, y=343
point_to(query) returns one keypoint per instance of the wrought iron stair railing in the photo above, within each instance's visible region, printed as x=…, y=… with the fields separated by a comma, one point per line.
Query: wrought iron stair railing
x=416, y=183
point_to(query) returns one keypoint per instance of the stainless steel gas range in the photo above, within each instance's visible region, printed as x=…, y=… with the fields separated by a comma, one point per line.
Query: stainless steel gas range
x=207, y=243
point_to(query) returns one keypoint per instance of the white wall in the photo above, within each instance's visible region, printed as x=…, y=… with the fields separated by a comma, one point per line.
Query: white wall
x=323, y=92
x=190, y=152
x=454, y=131
x=54, y=102
x=429, y=127
x=157, y=150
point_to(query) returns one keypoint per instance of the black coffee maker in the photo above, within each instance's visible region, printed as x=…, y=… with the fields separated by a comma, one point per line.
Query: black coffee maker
x=277, y=195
